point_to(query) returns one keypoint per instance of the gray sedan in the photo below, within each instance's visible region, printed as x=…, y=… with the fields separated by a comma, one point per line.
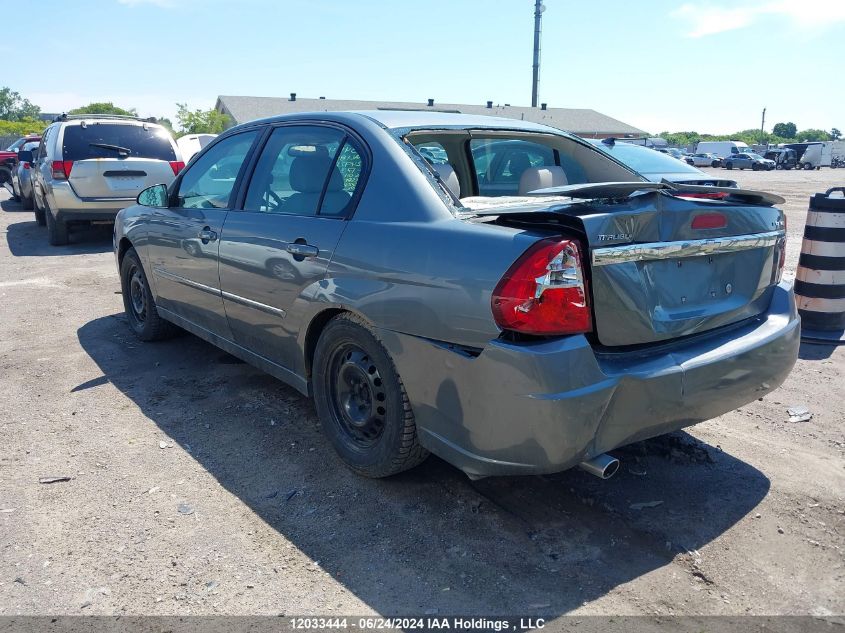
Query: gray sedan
x=748, y=160
x=22, y=175
x=497, y=292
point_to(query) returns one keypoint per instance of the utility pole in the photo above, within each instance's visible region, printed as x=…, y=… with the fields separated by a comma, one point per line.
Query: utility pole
x=762, y=127
x=539, y=7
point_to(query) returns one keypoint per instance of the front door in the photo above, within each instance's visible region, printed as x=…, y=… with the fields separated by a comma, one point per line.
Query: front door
x=275, y=251
x=183, y=240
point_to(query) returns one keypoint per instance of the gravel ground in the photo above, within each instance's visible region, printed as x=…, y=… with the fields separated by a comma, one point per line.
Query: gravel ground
x=198, y=485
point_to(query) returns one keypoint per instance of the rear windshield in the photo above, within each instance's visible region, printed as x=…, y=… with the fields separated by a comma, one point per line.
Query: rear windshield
x=81, y=143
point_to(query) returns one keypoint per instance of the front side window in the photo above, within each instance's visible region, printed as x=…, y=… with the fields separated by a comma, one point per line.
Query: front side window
x=305, y=170
x=208, y=183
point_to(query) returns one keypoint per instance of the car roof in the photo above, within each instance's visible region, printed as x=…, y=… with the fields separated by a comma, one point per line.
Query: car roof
x=409, y=119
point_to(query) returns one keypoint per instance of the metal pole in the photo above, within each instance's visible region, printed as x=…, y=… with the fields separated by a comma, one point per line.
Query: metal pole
x=535, y=84
x=762, y=127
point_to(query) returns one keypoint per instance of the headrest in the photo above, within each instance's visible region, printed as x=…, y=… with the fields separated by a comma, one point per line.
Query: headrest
x=535, y=178
x=308, y=173
x=449, y=178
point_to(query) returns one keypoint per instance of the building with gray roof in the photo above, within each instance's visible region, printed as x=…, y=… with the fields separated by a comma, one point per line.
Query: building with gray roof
x=584, y=122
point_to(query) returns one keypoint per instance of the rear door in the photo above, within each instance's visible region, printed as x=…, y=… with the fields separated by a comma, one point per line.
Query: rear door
x=275, y=251
x=183, y=239
x=117, y=159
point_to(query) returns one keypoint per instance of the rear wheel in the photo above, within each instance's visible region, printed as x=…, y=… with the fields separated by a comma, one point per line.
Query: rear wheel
x=361, y=401
x=27, y=202
x=715, y=163
x=808, y=166
x=138, y=301
x=57, y=233
x=729, y=165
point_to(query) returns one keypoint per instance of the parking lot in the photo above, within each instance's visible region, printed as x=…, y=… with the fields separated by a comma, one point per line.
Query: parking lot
x=190, y=483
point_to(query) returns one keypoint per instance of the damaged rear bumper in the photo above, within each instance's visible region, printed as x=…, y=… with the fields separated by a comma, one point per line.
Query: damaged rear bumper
x=529, y=408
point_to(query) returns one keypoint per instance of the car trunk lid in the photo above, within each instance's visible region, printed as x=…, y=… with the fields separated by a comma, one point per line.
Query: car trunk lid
x=663, y=266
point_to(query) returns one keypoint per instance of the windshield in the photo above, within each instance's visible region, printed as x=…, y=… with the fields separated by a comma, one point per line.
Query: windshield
x=114, y=140
x=645, y=160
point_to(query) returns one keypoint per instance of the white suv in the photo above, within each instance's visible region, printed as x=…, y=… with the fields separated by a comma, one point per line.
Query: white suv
x=89, y=167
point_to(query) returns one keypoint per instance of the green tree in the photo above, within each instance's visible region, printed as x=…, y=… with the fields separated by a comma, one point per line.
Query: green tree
x=785, y=130
x=104, y=107
x=836, y=134
x=13, y=107
x=200, y=121
x=813, y=135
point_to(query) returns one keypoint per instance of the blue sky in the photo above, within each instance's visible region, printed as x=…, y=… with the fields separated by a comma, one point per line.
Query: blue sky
x=709, y=66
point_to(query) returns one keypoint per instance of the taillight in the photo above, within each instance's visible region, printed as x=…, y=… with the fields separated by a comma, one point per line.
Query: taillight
x=177, y=166
x=25, y=165
x=61, y=169
x=544, y=292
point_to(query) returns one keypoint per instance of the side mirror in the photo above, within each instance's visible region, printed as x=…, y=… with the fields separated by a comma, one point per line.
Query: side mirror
x=25, y=156
x=155, y=196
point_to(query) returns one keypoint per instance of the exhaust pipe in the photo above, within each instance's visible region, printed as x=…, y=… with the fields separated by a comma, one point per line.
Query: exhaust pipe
x=602, y=466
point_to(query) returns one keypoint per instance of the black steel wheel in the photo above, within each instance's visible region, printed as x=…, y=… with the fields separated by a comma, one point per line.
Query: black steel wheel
x=138, y=302
x=361, y=401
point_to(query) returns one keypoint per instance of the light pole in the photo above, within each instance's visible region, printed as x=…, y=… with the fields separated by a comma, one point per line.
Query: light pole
x=539, y=7
x=762, y=127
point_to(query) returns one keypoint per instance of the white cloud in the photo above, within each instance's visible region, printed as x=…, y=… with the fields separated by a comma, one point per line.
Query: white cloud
x=709, y=19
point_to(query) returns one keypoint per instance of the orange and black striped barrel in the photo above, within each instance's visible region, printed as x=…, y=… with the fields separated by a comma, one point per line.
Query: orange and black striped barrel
x=820, y=282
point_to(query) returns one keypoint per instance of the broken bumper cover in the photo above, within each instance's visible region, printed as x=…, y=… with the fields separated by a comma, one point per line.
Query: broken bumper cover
x=529, y=408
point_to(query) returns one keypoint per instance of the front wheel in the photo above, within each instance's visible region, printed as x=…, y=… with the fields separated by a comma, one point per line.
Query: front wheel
x=715, y=163
x=361, y=401
x=40, y=217
x=138, y=301
x=808, y=166
x=729, y=165
x=755, y=167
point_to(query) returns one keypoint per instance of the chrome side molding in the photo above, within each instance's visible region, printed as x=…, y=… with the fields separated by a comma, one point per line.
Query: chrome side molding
x=687, y=248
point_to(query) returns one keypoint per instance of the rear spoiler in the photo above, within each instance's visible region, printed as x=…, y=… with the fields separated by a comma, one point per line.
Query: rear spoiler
x=621, y=190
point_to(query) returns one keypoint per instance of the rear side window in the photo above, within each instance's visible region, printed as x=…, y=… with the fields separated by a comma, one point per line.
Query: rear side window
x=116, y=140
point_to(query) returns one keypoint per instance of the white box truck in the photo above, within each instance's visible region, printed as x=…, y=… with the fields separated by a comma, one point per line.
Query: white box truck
x=722, y=148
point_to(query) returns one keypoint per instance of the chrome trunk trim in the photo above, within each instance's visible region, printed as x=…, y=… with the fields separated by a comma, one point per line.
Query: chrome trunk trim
x=687, y=248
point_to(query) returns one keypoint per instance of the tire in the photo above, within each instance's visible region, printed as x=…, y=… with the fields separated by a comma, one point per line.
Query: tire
x=755, y=167
x=40, y=216
x=27, y=203
x=778, y=166
x=808, y=166
x=138, y=302
x=352, y=374
x=715, y=163
x=729, y=165
x=57, y=233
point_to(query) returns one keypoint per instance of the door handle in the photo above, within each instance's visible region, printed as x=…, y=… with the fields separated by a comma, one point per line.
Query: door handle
x=207, y=235
x=302, y=250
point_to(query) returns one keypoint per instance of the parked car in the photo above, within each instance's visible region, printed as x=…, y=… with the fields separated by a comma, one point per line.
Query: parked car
x=707, y=159
x=9, y=159
x=91, y=166
x=657, y=166
x=507, y=334
x=813, y=155
x=21, y=184
x=190, y=144
x=748, y=160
